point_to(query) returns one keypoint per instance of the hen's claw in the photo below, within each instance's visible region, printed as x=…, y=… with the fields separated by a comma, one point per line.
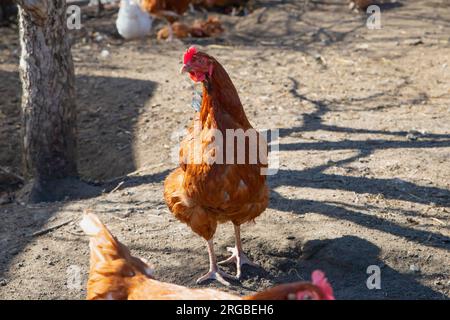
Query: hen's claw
x=240, y=259
x=215, y=275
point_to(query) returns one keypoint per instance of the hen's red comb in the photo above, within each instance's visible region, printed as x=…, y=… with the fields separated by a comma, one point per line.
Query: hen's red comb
x=189, y=54
x=319, y=279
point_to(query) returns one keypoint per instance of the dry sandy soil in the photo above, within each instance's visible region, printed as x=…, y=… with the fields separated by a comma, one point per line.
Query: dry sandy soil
x=364, y=179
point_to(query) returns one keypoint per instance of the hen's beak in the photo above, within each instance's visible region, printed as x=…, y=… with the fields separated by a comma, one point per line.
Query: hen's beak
x=185, y=68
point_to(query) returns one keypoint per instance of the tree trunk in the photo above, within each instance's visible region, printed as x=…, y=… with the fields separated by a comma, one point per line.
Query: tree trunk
x=48, y=101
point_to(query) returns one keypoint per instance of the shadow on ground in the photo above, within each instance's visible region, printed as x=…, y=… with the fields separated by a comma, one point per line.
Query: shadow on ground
x=392, y=188
x=108, y=109
x=345, y=261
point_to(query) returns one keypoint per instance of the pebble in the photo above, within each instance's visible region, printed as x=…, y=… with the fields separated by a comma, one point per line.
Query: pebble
x=104, y=54
x=411, y=137
x=363, y=46
x=414, y=268
x=99, y=38
x=414, y=42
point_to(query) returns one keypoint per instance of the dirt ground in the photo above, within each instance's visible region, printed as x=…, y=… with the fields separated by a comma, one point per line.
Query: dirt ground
x=364, y=178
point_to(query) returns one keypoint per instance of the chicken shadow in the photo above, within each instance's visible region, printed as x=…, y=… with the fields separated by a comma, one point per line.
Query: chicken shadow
x=345, y=261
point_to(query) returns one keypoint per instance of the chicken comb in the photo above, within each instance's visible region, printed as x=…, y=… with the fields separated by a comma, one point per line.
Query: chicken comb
x=189, y=54
x=319, y=279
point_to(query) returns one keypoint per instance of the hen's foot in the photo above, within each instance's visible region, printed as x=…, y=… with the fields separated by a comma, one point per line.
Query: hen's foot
x=240, y=259
x=215, y=275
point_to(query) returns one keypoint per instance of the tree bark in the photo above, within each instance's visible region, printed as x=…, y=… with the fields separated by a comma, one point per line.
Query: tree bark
x=48, y=100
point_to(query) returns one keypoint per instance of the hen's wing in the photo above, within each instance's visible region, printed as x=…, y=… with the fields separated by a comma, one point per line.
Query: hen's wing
x=156, y=290
x=226, y=192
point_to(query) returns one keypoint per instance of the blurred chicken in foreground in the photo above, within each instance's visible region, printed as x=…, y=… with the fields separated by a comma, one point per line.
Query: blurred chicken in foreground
x=116, y=275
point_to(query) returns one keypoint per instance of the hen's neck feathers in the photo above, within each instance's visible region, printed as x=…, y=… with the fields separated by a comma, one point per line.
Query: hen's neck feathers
x=220, y=96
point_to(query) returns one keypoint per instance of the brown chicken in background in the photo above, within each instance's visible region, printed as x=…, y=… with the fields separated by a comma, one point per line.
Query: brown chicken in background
x=203, y=192
x=211, y=27
x=178, y=30
x=169, y=10
x=199, y=29
x=115, y=274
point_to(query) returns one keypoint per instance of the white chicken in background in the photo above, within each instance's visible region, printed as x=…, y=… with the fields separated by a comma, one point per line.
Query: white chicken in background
x=132, y=22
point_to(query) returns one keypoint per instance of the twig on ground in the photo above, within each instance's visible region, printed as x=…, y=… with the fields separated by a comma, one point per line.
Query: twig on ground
x=119, y=218
x=128, y=175
x=409, y=193
x=260, y=15
x=75, y=233
x=49, y=229
x=16, y=176
x=440, y=221
x=117, y=188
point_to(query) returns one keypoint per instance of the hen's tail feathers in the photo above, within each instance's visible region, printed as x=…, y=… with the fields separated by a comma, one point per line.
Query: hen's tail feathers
x=106, y=248
x=110, y=262
x=91, y=224
x=103, y=245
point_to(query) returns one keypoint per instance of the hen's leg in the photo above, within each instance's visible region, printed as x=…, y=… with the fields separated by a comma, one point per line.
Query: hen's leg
x=214, y=273
x=237, y=254
x=170, y=37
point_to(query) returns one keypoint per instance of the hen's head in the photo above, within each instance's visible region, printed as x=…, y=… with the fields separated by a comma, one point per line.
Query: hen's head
x=319, y=290
x=198, y=64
